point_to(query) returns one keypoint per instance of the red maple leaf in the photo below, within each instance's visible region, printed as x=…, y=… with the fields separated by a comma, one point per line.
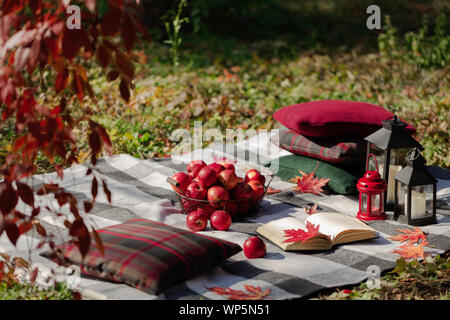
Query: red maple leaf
x=311, y=210
x=409, y=251
x=272, y=191
x=300, y=235
x=411, y=236
x=253, y=293
x=307, y=183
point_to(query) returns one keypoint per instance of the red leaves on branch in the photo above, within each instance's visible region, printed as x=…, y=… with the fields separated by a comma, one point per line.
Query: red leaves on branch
x=253, y=293
x=307, y=183
x=8, y=198
x=111, y=22
x=300, y=235
x=25, y=193
x=106, y=191
x=34, y=38
x=81, y=233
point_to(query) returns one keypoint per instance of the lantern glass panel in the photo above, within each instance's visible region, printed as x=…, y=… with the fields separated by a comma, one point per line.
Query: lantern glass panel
x=402, y=191
x=421, y=201
x=376, y=206
x=363, y=202
x=398, y=156
x=379, y=155
x=396, y=164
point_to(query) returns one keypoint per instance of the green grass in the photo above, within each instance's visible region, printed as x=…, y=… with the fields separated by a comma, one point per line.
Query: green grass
x=259, y=83
x=410, y=280
x=18, y=291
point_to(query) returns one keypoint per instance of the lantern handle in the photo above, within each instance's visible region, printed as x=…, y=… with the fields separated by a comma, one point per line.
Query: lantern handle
x=395, y=118
x=367, y=162
x=416, y=155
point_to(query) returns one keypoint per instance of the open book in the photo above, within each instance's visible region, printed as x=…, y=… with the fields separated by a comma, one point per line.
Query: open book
x=334, y=228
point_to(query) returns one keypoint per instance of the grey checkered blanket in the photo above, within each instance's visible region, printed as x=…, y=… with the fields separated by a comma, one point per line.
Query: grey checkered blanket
x=139, y=190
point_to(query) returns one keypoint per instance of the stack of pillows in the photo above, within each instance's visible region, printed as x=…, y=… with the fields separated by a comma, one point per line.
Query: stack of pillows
x=332, y=133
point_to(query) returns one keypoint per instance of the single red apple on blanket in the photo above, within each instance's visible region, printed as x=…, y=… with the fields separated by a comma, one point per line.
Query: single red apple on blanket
x=228, y=166
x=183, y=179
x=196, y=190
x=196, y=221
x=220, y=220
x=254, y=174
x=206, y=209
x=254, y=248
x=228, y=179
x=217, y=195
x=242, y=191
x=207, y=176
x=218, y=168
x=194, y=167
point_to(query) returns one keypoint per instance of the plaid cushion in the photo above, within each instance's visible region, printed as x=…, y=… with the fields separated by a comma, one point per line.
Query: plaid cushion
x=148, y=255
x=332, y=149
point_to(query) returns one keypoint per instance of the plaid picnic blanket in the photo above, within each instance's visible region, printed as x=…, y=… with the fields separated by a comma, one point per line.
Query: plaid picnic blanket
x=139, y=190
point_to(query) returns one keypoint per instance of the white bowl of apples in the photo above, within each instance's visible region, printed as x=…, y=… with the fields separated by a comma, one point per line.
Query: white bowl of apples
x=216, y=187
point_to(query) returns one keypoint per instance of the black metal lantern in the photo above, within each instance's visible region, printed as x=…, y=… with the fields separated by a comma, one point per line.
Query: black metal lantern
x=390, y=145
x=415, y=192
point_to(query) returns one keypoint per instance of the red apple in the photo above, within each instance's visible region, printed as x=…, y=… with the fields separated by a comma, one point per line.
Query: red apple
x=242, y=207
x=206, y=209
x=196, y=221
x=216, y=167
x=207, y=176
x=257, y=187
x=230, y=207
x=196, y=190
x=220, y=220
x=228, y=166
x=254, y=174
x=194, y=167
x=254, y=248
x=217, y=195
x=242, y=191
x=183, y=179
x=189, y=205
x=228, y=179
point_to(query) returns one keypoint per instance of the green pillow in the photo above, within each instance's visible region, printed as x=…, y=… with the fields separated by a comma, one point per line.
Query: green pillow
x=341, y=181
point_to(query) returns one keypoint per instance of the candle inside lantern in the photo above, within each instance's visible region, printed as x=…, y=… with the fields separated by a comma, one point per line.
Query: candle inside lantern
x=418, y=204
x=393, y=170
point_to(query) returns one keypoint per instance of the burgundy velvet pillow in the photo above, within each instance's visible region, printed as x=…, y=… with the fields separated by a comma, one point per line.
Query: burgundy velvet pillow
x=326, y=118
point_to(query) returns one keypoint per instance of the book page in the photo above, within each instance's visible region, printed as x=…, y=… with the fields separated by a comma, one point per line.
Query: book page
x=274, y=231
x=333, y=223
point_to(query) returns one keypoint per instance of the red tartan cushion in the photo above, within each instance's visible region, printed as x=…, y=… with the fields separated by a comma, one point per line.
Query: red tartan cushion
x=148, y=255
x=327, y=118
x=333, y=149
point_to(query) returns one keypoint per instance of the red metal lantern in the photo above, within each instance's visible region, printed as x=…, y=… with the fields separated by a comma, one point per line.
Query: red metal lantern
x=371, y=189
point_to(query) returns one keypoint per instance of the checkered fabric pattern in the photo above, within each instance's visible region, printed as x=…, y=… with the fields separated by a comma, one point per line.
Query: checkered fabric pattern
x=333, y=149
x=149, y=255
x=140, y=191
